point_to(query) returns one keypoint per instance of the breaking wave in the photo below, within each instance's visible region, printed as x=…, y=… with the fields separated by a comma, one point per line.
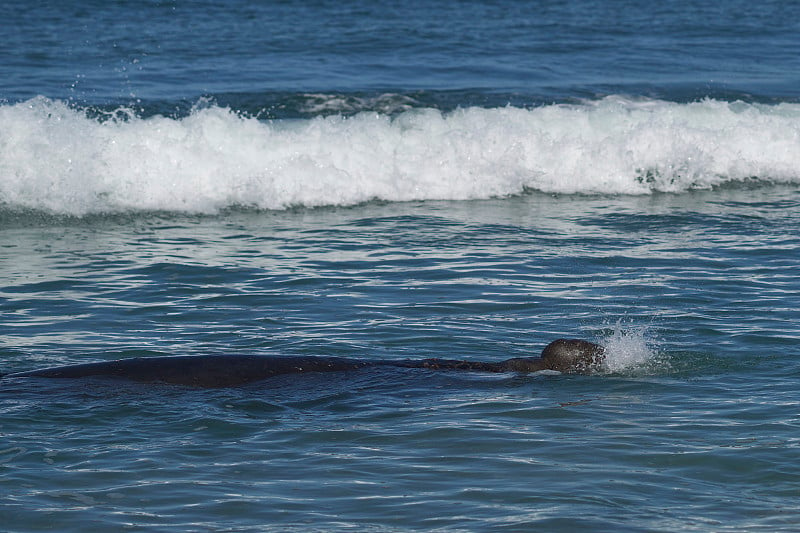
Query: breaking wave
x=61, y=159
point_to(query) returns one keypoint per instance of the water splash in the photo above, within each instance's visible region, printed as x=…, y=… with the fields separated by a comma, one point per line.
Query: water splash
x=633, y=349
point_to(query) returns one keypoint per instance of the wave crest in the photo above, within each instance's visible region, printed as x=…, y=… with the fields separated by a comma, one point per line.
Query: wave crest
x=57, y=158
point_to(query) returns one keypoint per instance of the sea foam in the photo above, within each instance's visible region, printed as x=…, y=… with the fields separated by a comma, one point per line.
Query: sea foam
x=58, y=158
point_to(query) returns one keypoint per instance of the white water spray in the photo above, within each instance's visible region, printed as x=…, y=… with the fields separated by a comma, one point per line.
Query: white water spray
x=631, y=349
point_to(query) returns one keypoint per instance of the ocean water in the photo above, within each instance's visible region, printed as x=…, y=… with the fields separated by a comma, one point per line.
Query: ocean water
x=388, y=181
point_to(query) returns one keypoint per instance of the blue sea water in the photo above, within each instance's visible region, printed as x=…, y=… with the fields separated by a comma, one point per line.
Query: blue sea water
x=386, y=181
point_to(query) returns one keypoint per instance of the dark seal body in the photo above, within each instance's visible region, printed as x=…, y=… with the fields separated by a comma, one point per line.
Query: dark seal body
x=198, y=370
x=563, y=355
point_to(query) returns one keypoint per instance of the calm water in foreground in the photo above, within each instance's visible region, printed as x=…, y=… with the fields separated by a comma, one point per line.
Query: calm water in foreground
x=693, y=427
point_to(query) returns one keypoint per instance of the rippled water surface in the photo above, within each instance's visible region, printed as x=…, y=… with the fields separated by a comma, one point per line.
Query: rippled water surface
x=693, y=426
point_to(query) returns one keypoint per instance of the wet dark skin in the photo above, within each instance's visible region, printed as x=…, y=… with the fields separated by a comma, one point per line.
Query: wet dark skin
x=563, y=355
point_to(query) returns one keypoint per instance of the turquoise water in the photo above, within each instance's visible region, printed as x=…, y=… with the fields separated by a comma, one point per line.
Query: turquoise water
x=464, y=180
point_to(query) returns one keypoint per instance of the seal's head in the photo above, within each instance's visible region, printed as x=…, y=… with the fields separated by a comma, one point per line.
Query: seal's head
x=573, y=355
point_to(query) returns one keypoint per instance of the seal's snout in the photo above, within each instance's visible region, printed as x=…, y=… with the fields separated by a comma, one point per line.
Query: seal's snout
x=573, y=355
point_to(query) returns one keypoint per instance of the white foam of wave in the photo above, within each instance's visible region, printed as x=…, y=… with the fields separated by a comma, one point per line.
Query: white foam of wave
x=54, y=157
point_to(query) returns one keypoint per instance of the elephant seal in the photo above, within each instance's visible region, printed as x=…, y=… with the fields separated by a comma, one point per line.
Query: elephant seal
x=563, y=355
